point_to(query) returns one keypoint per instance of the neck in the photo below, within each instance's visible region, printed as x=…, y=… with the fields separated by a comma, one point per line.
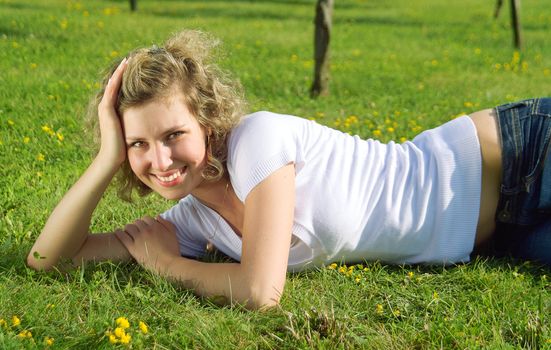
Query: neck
x=215, y=195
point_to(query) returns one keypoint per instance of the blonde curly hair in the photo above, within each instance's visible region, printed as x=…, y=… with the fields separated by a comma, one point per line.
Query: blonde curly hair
x=182, y=62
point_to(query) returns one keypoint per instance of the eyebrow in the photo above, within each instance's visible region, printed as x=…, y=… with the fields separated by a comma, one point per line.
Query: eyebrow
x=166, y=132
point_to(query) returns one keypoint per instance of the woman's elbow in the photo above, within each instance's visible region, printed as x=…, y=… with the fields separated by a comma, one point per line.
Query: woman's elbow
x=39, y=263
x=263, y=297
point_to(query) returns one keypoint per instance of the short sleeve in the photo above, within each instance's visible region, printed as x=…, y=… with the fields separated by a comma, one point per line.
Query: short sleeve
x=190, y=239
x=262, y=143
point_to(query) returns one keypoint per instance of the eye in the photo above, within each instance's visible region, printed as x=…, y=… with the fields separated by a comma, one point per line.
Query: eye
x=175, y=135
x=136, y=144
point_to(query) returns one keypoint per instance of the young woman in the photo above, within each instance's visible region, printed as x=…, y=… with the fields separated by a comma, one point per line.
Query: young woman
x=277, y=192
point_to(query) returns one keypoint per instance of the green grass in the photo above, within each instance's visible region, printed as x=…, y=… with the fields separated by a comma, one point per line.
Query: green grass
x=398, y=66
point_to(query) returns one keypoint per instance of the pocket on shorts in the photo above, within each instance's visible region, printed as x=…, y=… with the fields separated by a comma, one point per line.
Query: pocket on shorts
x=544, y=203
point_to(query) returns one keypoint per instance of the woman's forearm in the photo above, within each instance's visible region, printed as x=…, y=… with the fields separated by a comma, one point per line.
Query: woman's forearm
x=68, y=226
x=227, y=283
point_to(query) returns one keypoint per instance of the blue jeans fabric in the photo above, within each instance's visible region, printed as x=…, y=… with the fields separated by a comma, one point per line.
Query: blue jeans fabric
x=523, y=215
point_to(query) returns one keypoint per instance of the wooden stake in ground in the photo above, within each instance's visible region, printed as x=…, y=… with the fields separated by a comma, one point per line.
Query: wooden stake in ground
x=133, y=5
x=323, y=24
x=515, y=20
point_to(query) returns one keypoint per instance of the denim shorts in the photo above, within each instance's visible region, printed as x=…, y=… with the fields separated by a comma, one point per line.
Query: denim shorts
x=523, y=216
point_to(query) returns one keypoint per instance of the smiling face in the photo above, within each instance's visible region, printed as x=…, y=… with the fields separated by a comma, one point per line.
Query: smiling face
x=166, y=147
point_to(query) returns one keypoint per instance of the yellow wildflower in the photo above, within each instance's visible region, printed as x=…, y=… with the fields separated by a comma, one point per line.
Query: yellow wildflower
x=403, y=139
x=119, y=332
x=15, y=321
x=123, y=323
x=435, y=295
x=377, y=133
x=40, y=157
x=86, y=13
x=411, y=274
x=143, y=327
x=11, y=122
x=26, y=139
x=48, y=341
x=100, y=24
x=333, y=266
x=113, y=339
x=3, y=323
x=114, y=54
x=468, y=104
x=63, y=24
x=46, y=128
x=358, y=279
x=379, y=309
x=477, y=51
x=59, y=136
x=34, y=65
x=396, y=313
x=15, y=44
x=390, y=129
x=25, y=334
x=125, y=339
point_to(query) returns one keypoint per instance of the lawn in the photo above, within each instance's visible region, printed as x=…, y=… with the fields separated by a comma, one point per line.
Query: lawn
x=398, y=67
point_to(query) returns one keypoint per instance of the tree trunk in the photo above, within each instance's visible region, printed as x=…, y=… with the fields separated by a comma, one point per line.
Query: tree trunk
x=133, y=5
x=323, y=24
x=499, y=4
x=515, y=23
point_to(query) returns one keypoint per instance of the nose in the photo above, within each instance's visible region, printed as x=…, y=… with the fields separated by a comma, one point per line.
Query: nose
x=161, y=157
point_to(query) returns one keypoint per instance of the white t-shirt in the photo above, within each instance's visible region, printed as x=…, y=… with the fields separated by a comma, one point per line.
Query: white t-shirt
x=415, y=202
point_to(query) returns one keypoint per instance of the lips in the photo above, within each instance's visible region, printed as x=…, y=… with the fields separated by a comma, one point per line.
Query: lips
x=170, y=179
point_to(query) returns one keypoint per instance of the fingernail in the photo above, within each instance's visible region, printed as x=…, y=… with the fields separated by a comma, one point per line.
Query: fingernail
x=109, y=82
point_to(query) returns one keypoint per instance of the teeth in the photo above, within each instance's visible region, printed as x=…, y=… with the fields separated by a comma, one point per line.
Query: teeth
x=169, y=178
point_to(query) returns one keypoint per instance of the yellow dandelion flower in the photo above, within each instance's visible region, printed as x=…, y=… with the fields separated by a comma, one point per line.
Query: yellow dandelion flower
x=123, y=323
x=59, y=136
x=377, y=133
x=366, y=269
x=63, y=24
x=40, y=157
x=497, y=66
x=125, y=339
x=411, y=274
x=333, y=266
x=403, y=139
x=342, y=269
x=10, y=122
x=107, y=11
x=390, y=129
x=48, y=341
x=49, y=306
x=114, y=54
x=119, y=332
x=46, y=128
x=358, y=279
x=113, y=339
x=22, y=334
x=15, y=321
x=34, y=65
x=26, y=139
x=39, y=174
x=294, y=58
x=468, y=104
x=434, y=63
x=379, y=309
x=143, y=327
x=549, y=341
x=435, y=295
x=3, y=323
x=396, y=312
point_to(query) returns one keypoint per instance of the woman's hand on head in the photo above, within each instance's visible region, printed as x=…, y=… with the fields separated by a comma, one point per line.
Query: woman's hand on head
x=113, y=146
x=152, y=242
